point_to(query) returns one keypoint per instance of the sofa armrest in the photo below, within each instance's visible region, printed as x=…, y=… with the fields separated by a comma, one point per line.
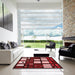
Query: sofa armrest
x=6, y=56
x=63, y=47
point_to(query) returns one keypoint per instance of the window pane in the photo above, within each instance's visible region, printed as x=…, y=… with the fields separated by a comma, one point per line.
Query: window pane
x=41, y=23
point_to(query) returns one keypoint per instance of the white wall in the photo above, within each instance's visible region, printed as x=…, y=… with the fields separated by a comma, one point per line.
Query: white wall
x=6, y=35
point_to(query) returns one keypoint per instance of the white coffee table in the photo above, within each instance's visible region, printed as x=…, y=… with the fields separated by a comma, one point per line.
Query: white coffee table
x=40, y=53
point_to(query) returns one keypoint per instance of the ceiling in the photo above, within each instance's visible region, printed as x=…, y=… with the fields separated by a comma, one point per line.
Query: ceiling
x=42, y=4
x=34, y=4
x=29, y=1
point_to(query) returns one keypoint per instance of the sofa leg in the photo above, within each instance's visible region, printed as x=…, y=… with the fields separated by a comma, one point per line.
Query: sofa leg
x=55, y=49
x=45, y=49
x=59, y=57
x=51, y=49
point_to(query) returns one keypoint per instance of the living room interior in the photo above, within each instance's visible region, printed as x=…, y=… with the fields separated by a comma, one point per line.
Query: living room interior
x=37, y=37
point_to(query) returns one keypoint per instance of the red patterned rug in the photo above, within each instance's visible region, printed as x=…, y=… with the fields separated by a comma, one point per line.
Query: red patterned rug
x=37, y=62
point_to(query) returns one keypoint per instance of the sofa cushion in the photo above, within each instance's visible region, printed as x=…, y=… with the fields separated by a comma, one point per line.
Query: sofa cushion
x=17, y=51
x=72, y=48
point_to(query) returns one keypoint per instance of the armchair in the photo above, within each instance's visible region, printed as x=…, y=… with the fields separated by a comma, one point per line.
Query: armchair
x=51, y=45
x=69, y=52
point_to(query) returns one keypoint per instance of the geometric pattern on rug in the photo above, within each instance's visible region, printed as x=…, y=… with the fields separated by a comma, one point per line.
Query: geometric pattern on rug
x=37, y=62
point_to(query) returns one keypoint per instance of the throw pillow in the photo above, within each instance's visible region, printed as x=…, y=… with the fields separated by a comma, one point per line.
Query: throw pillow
x=9, y=46
x=71, y=45
x=13, y=44
x=3, y=45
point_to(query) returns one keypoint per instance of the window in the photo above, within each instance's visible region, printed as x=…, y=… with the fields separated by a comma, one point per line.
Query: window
x=40, y=23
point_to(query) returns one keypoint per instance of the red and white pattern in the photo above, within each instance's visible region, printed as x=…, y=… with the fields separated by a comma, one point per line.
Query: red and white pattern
x=47, y=66
x=45, y=62
x=37, y=62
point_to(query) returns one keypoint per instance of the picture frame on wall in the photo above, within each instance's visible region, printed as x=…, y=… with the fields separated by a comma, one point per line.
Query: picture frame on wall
x=1, y=15
x=6, y=17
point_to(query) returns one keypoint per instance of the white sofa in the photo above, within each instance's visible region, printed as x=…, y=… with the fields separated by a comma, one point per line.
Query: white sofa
x=9, y=55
